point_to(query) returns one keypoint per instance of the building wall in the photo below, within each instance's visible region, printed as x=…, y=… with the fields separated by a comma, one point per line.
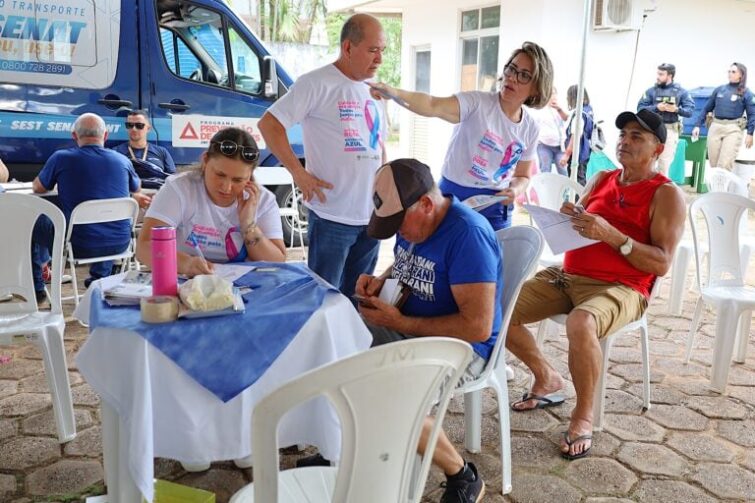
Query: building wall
x=701, y=37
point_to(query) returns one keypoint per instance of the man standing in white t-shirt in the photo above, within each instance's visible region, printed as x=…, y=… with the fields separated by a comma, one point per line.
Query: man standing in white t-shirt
x=343, y=128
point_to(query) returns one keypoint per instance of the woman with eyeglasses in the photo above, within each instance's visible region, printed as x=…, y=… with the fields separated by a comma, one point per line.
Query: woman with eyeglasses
x=217, y=208
x=495, y=139
x=733, y=109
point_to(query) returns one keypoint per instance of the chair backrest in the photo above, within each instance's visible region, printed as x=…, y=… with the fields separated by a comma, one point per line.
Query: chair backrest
x=553, y=189
x=382, y=397
x=723, y=180
x=521, y=247
x=20, y=213
x=98, y=211
x=722, y=213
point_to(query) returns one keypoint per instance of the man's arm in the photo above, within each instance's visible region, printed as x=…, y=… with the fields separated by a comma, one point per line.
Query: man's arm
x=168, y=163
x=4, y=174
x=686, y=106
x=37, y=186
x=647, y=101
x=446, y=108
x=473, y=322
x=277, y=142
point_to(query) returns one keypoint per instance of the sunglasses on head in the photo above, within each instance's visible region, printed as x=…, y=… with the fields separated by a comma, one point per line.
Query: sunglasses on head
x=137, y=125
x=229, y=148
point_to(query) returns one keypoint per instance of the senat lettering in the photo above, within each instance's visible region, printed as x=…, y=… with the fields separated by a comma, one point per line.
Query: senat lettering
x=42, y=30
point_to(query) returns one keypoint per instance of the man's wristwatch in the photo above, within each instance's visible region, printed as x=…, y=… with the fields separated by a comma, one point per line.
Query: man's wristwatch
x=626, y=248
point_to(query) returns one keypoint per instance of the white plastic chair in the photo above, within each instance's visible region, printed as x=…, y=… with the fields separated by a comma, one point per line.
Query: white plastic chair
x=722, y=283
x=100, y=211
x=20, y=318
x=605, y=347
x=718, y=180
x=382, y=397
x=521, y=247
x=275, y=175
x=552, y=190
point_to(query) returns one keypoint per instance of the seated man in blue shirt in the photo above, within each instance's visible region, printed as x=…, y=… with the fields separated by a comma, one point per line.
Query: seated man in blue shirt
x=449, y=258
x=152, y=163
x=88, y=171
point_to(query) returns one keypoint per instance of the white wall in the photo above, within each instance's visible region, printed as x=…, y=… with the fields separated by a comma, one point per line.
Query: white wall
x=701, y=37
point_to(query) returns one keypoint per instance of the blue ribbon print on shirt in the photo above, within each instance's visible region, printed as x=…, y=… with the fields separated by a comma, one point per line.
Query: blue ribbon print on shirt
x=372, y=116
x=511, y=156
x=233, y=252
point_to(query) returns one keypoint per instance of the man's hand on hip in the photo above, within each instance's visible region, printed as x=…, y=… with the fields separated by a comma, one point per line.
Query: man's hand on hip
x=310, y=185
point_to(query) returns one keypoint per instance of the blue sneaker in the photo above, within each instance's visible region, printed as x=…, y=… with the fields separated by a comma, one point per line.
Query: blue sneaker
x=467, y=487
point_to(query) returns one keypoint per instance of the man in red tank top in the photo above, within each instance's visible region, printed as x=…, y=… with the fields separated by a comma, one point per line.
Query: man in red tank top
x=637, y=216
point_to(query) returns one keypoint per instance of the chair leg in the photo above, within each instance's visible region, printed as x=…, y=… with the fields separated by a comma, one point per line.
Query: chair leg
x=504, y=423
x=723, y=346
x=54, y=357
x=74, y=283
x=745, y=250
x=600, y=386
x=678, y=278
x=644, y=342
x=693, y=327
x=472, y=421
x=743, y=336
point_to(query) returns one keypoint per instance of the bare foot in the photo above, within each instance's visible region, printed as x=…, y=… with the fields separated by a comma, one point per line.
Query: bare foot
x=577, y=439
x=550, y=384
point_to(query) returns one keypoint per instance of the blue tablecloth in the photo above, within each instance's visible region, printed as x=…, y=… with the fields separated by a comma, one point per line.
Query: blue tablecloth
x=227, y=354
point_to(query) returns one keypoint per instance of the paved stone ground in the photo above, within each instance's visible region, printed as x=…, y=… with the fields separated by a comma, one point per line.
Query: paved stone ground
x=692, y=445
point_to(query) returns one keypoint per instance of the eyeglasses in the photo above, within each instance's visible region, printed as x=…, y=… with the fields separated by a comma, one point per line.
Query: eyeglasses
x=229, y=148
x=522, y=76
x=137, y=125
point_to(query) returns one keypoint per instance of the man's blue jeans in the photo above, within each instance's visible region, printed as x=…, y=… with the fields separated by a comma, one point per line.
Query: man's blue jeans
x=339, y=253
x=548, y=156
x=41, y=244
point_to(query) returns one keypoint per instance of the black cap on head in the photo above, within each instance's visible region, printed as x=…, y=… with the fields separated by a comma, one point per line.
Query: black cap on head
x=398, y=185
x=650, y=121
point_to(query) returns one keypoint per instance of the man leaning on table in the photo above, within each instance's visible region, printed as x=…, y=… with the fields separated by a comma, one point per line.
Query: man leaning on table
x=449, y=258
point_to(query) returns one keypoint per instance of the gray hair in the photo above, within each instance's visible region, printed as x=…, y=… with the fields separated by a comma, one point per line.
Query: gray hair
x=90, y=126
x=353, y=28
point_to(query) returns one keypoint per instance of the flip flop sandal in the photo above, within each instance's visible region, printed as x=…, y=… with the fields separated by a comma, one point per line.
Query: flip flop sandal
x=572, y=457
x=543, y=402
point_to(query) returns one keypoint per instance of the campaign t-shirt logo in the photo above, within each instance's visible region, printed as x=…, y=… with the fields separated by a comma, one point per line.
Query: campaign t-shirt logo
x=510, y=158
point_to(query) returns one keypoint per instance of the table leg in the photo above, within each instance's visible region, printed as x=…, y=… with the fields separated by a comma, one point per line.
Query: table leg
x=120, y=486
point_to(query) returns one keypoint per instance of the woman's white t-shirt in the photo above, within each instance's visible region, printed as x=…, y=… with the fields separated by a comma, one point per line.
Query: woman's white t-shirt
x=183, y=203
x=486, y=145
x=344, y=131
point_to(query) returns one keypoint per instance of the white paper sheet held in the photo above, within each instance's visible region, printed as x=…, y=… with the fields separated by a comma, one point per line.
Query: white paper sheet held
x=557, y=229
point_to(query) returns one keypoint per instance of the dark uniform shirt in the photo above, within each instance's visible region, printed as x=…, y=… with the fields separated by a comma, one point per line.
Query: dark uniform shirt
x=727, y=104
x=157, y=156
x=668, y=93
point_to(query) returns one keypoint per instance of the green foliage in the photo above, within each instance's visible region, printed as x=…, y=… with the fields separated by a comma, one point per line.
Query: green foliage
x=390, y=70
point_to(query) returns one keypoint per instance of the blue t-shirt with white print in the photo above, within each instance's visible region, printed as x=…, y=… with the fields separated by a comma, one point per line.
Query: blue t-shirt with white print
x=463, y=249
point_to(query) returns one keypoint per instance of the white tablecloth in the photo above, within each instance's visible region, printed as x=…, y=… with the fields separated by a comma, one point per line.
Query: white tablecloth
x=165, y=413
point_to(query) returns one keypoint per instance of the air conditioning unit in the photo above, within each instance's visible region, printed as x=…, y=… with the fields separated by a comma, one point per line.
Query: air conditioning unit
x=615, y=15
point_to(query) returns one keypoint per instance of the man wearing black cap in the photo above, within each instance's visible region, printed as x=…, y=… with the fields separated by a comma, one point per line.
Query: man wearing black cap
x=669, y=100
x=448, y=257
x=637, y=217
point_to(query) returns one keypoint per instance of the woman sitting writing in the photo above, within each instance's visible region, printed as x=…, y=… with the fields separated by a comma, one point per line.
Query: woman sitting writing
x=217, y=208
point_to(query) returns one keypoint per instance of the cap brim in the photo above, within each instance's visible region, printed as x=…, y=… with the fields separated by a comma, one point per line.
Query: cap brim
x=626, y=117
x=385, y=227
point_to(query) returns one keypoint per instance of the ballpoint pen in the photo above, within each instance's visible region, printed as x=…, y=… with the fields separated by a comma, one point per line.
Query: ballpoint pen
x=195, y=244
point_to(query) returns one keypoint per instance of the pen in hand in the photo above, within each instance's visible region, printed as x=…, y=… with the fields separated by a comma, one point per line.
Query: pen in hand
x=195, y=244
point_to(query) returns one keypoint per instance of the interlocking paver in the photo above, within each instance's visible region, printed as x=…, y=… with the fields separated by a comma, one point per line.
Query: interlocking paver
x=701, y=447
x=7, y=486
x=8, y=387
x=84, y=395
x=24, y=452
x=24, y=403
x=538, y=488
x=7, y=428
x=652, y=459
x=600, y=476
x=628, y=427
x=632, y=372
x=670, y=491
x=726, y=481
x=659, y=393
x=749, y=460
x=677, y=417
x=18, y=368
x=741, y=376
x=534, y=452
x=87, y=443
x=533, y=420
x=38, y=383
x=717, y=407
x=739, y=432
x=618, y=401
x=677, y=368
x=65, y=476
x=44, y=423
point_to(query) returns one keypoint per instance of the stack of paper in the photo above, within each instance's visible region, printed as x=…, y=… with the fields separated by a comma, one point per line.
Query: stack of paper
x=558, y=229
x=134, y=286
x=393, y=292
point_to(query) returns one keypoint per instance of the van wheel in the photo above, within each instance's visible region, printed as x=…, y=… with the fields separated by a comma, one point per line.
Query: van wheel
x=284, y=195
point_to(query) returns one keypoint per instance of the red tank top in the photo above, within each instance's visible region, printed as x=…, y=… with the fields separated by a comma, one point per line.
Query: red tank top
x=628, y=209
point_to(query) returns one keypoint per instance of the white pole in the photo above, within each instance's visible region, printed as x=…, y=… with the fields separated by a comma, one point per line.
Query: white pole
x=578, y=126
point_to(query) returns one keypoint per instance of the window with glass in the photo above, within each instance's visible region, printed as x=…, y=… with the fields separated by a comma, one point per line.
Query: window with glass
x=194, y=41
x=479, y=48
x=422, y=69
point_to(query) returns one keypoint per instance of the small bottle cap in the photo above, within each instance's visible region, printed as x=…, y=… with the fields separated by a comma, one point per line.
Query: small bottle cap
x=165, y=232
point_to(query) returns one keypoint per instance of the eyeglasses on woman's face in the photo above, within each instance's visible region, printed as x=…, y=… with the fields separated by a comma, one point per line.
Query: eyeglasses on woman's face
x=229, y=148
x=522, y=76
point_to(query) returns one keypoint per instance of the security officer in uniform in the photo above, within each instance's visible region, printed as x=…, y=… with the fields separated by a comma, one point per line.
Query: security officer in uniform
x=671, y=101
x=733, y=107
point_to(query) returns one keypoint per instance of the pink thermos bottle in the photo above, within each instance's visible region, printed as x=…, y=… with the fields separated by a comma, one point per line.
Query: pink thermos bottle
x=164, y=266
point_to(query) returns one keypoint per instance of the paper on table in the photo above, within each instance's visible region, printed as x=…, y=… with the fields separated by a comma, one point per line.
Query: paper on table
x=557, y=229
x=231, y=272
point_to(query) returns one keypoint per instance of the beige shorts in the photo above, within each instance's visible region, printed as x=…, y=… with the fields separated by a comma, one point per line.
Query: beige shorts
x=553, y=292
